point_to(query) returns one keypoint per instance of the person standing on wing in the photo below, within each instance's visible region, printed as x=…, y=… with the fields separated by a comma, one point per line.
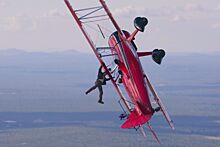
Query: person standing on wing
x=101, y=80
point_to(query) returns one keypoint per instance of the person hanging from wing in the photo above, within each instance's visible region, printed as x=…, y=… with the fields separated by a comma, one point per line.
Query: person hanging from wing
x=101, y=80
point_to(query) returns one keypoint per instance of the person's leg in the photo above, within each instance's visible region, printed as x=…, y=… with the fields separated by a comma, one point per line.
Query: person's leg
x=91, y=89
x=100, y=94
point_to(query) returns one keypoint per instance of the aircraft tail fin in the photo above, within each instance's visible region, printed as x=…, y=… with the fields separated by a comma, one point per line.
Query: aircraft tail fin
x=135, y=120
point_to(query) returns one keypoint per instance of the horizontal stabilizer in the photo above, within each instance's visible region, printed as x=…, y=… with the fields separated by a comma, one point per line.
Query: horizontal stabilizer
x=135, y=120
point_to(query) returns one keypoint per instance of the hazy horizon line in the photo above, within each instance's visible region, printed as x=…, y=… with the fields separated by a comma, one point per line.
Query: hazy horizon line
x=90, y=51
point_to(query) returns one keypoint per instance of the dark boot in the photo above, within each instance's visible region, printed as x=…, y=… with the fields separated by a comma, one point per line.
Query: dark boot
x=88, y=91
x=101, y=102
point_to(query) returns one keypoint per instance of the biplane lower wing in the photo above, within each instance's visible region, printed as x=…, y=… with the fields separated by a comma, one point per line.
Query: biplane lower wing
x=96, y=53
x=159, y=102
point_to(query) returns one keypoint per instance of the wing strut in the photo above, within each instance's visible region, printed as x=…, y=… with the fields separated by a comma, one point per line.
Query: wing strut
x=111, y=17
x=152, y=131
x=141, y=129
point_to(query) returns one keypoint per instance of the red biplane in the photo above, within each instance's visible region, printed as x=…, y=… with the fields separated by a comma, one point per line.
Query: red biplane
x=126, y=59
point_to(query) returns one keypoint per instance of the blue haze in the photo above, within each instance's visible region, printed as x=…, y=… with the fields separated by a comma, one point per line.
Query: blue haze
x=44, y=93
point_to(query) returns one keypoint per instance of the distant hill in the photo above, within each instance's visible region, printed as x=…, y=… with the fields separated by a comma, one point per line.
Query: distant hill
x=175, y=68
x=56, y=81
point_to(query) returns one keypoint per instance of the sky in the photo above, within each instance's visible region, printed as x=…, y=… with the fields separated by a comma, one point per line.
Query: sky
x=175, y=25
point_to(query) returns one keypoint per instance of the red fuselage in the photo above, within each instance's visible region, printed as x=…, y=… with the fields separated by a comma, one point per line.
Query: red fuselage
x=132, y=72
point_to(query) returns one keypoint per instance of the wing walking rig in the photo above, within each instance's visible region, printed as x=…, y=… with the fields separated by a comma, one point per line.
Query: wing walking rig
x=139, y=110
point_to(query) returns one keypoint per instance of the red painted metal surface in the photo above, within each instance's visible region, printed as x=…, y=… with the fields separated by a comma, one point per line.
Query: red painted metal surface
x=133, y=75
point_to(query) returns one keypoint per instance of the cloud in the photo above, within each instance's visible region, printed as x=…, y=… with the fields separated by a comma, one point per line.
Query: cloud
x=172, y=13
x=218, y=7
x=17, y=23
x=28, y=22
x=195, y=8
x=216, y=25
x=10, y=24
x=191, y=12
x=55, y=13
x=213, y=137
x=128, y=10
x=3, y=3
x=177, y=18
